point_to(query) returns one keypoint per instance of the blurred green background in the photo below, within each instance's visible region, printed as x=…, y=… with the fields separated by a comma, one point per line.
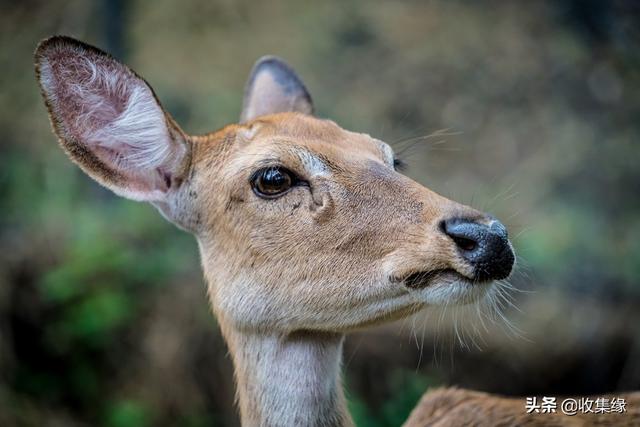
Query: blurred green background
x=529, y=110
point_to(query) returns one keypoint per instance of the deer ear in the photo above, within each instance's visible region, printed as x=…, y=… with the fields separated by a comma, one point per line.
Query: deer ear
x=109, y=121
x=273, y=87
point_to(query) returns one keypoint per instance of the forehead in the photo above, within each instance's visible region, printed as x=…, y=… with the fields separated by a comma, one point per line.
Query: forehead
x=314, y=137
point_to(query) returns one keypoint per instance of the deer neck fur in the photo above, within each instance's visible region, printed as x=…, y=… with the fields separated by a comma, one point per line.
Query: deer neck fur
x=288, y=380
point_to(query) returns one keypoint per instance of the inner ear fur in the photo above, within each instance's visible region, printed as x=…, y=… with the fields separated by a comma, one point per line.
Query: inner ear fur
x=109, y=121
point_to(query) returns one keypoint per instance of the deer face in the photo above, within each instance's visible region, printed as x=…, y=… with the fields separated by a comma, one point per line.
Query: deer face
x=301, y=224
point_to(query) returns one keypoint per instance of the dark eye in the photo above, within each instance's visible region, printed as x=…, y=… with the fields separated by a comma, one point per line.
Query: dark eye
x=272, y=182
x=399, y=164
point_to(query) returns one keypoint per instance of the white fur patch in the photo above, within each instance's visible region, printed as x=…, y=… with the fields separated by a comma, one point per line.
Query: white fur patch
x=312, y=164
x=139, y=131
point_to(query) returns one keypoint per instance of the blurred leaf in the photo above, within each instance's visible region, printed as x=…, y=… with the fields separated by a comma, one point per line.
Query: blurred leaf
x=127, y=413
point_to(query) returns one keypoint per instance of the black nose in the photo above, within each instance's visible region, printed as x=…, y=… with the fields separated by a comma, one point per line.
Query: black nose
x=485, y=247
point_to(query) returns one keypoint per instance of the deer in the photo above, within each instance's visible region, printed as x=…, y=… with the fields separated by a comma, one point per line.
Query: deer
x=306, y=231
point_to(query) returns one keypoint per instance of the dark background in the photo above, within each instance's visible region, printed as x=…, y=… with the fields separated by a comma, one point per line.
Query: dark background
x=529, y=110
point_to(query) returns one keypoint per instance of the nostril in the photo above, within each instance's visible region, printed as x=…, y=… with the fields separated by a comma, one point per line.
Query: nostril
x=464, y=243
x=465, y=234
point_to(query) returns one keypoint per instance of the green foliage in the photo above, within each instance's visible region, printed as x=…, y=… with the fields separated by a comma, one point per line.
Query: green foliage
x=127, y=413
x=405, y=389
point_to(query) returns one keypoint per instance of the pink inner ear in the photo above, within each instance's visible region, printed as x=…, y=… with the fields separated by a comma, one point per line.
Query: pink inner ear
x=103, y=106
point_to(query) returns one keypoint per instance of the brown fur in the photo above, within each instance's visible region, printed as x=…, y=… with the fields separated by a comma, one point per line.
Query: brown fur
x=455, y=407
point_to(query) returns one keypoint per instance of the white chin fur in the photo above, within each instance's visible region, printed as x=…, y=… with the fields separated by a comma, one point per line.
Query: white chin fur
x=454, y=291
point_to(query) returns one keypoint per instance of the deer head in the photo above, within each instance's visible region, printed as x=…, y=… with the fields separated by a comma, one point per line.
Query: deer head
x=306, y=230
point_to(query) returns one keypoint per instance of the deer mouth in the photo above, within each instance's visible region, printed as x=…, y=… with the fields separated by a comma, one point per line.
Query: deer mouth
x=423, y=279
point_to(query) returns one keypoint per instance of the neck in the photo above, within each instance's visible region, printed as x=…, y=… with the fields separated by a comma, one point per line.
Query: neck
x=291, y=380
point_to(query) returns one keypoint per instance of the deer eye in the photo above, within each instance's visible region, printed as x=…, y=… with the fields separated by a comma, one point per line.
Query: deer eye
x=272, y=182
x=399, y=164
